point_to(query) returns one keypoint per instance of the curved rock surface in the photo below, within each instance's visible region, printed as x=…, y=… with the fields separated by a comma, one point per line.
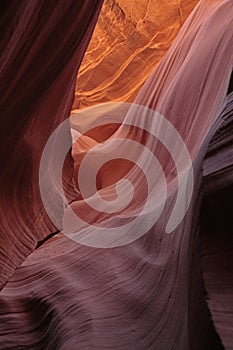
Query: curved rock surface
x=129, y=40
x=217, y=224
x=41, y=49
x=168, y=289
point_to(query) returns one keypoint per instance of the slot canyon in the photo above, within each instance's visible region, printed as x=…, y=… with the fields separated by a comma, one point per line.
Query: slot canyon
x=116, y=179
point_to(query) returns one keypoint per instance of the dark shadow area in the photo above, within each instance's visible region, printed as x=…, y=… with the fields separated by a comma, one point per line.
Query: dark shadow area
x=230, y=88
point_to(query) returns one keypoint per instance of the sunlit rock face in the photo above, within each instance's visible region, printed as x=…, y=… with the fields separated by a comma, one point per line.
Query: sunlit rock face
x=129, y=40
x=147, y=287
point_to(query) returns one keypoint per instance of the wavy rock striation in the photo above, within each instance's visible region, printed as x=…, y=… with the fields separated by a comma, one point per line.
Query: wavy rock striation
x=129, y=40
x=41, y=49
x=151, y=293
x=217, y=224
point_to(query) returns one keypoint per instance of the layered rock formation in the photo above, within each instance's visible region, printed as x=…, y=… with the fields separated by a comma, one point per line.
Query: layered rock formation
x=129, y=40
x=142, y=283
x=42, y=47
x=217, y=224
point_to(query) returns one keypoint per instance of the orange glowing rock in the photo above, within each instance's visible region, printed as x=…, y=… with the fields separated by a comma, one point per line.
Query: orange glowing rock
x=129, y=40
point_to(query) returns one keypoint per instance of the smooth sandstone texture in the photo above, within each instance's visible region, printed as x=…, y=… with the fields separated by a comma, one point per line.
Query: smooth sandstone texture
x=42, y=45
x=162, y=291
x=129, y=40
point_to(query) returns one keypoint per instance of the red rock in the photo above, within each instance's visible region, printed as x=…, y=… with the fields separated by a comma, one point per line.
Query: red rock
x=149, y=294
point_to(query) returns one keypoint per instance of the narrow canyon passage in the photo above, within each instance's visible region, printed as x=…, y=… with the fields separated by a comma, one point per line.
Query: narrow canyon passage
x=116, y=177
